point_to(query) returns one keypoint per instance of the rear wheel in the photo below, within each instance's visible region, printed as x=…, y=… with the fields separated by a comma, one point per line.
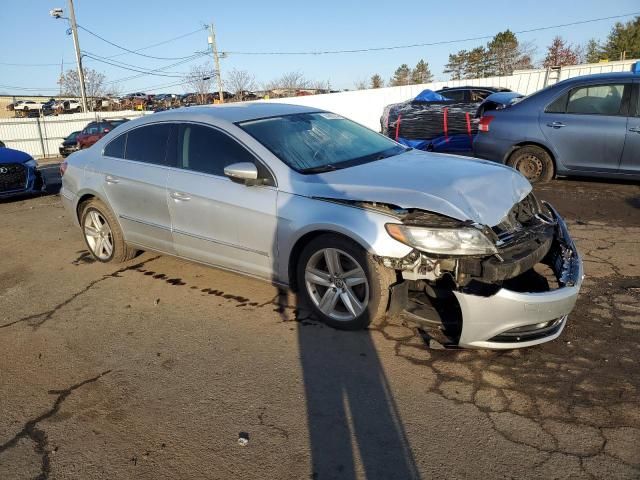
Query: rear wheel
x=343, y=285
x=102, y=233
x=532, y=162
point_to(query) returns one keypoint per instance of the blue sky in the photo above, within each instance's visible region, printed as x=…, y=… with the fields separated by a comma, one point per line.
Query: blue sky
x=30, y=35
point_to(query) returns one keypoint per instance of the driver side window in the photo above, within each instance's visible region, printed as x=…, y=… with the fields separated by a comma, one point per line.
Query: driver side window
x=207, y=150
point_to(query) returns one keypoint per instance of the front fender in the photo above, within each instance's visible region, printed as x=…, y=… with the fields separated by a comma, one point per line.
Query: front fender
x=299, y=216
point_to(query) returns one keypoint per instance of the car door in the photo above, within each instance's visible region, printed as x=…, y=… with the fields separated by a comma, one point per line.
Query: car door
x=134, y=165
x=585, y=126
x=216, y=220
x=630, y=162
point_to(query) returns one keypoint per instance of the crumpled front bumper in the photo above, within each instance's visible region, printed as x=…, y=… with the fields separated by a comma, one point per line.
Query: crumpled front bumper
x=510, y=319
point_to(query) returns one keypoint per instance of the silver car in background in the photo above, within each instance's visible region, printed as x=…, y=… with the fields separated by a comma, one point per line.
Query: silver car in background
x=360, y=226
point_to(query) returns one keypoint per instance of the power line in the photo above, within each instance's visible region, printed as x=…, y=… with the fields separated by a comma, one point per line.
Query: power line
x=126, y=49
x=429, y=44
x=132, y=77
x=145, y=72
x=164, y=42
x=33, y=89
x=136, y=67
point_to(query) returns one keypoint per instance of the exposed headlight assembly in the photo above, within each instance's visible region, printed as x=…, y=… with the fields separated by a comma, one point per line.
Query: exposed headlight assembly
x=31, y=163
x=443, y=241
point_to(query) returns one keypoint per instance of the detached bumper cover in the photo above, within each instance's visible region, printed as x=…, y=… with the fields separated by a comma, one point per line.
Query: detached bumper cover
x=510, y=319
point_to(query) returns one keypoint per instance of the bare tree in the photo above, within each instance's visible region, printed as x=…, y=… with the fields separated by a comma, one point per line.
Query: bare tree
x=240, y=81
x=94, y=83
x=321, y=85
x=360, y=84
x=199, y=81
x=288, y=83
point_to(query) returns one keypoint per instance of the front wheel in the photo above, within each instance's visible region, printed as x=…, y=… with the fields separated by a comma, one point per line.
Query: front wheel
x=343, y=285
x=532, y=162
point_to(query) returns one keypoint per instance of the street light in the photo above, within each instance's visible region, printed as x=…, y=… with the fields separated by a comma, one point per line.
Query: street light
x=58, y=13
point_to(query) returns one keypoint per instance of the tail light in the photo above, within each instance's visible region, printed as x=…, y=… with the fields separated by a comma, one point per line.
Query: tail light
x=483, y=125
x=63, y=167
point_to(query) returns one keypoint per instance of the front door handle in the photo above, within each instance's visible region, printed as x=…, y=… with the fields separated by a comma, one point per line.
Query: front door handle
x=635, y=129
x=556, y=125
x=111, y=179
x=183, y=197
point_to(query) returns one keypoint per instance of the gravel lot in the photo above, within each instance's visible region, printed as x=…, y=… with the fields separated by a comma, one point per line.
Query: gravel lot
x=155, y=369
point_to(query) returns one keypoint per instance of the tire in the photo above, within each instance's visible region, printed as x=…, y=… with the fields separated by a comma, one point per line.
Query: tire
x=315, y=281
x=97, y=218
x=533, y=162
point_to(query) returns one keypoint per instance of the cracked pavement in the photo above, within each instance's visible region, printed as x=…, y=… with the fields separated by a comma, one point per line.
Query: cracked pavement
x=154, y=368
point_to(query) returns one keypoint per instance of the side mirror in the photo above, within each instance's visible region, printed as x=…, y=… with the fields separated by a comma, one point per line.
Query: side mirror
x=243, y=172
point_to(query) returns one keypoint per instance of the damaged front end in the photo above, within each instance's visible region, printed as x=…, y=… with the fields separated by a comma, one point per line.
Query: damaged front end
x=506, y=286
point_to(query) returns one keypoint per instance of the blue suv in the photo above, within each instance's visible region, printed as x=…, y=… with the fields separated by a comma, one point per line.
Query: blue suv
x=587, y=126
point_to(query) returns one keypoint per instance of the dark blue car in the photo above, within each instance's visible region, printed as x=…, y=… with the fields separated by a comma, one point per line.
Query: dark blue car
x=18, y=173
x=587, y=126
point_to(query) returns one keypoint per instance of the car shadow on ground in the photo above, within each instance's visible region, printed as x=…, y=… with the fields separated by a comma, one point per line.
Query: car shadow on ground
x=352, y=416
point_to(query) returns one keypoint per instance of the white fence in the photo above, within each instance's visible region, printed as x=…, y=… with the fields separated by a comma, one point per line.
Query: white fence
x=365, y=106
x=41, y=137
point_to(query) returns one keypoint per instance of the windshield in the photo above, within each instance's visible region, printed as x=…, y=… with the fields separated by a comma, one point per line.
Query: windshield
x=318, y=142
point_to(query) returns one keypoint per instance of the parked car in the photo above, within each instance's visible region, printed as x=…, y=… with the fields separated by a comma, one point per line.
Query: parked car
x=136, y=95
x=441, y=121
x=463, y=94
x=350, y=218
x=581, y=126
x=18, y=173
x=27, y=105
x=94, y=131
x=70, y=106
x=69, y=144
x=497, y=101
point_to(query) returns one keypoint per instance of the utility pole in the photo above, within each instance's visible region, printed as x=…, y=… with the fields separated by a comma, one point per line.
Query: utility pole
x=216, y=59
x=76, y=44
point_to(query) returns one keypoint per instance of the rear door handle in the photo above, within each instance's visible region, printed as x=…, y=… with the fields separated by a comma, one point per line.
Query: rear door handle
x=111, y=179
x=635, y=129
x=556, y=125
x=183, y=197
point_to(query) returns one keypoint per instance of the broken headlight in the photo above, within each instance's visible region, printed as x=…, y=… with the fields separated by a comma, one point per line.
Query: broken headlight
x=443, y=241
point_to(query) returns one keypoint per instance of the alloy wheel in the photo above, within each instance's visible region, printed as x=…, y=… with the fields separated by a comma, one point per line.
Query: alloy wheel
x=337, y=284
x=98, y=234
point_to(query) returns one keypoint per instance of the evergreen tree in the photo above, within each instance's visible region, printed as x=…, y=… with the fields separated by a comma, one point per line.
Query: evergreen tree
x=422, y=73
x=401, y=76
x=592, y=51
x=376, y=81
x=477, y=64
x=456, y=65
x=623, y=38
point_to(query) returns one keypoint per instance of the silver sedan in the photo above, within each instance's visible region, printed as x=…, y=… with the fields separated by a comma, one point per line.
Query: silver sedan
x=360, y=226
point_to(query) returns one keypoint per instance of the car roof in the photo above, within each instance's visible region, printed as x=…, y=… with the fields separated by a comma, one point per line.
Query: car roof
x=600, y=76
x=238, y=112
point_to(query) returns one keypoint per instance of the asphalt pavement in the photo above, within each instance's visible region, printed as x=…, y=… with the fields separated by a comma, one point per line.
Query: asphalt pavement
x=160, y=368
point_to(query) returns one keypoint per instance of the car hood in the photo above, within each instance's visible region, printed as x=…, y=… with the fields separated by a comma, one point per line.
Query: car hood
x=458, y=187
x=9, y=155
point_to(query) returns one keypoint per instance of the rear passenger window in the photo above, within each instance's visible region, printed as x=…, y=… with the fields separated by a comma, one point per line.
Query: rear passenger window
x=596, y=100
x=148, y=144
x=115, y=148
x=206, y=150
x=455, y=95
